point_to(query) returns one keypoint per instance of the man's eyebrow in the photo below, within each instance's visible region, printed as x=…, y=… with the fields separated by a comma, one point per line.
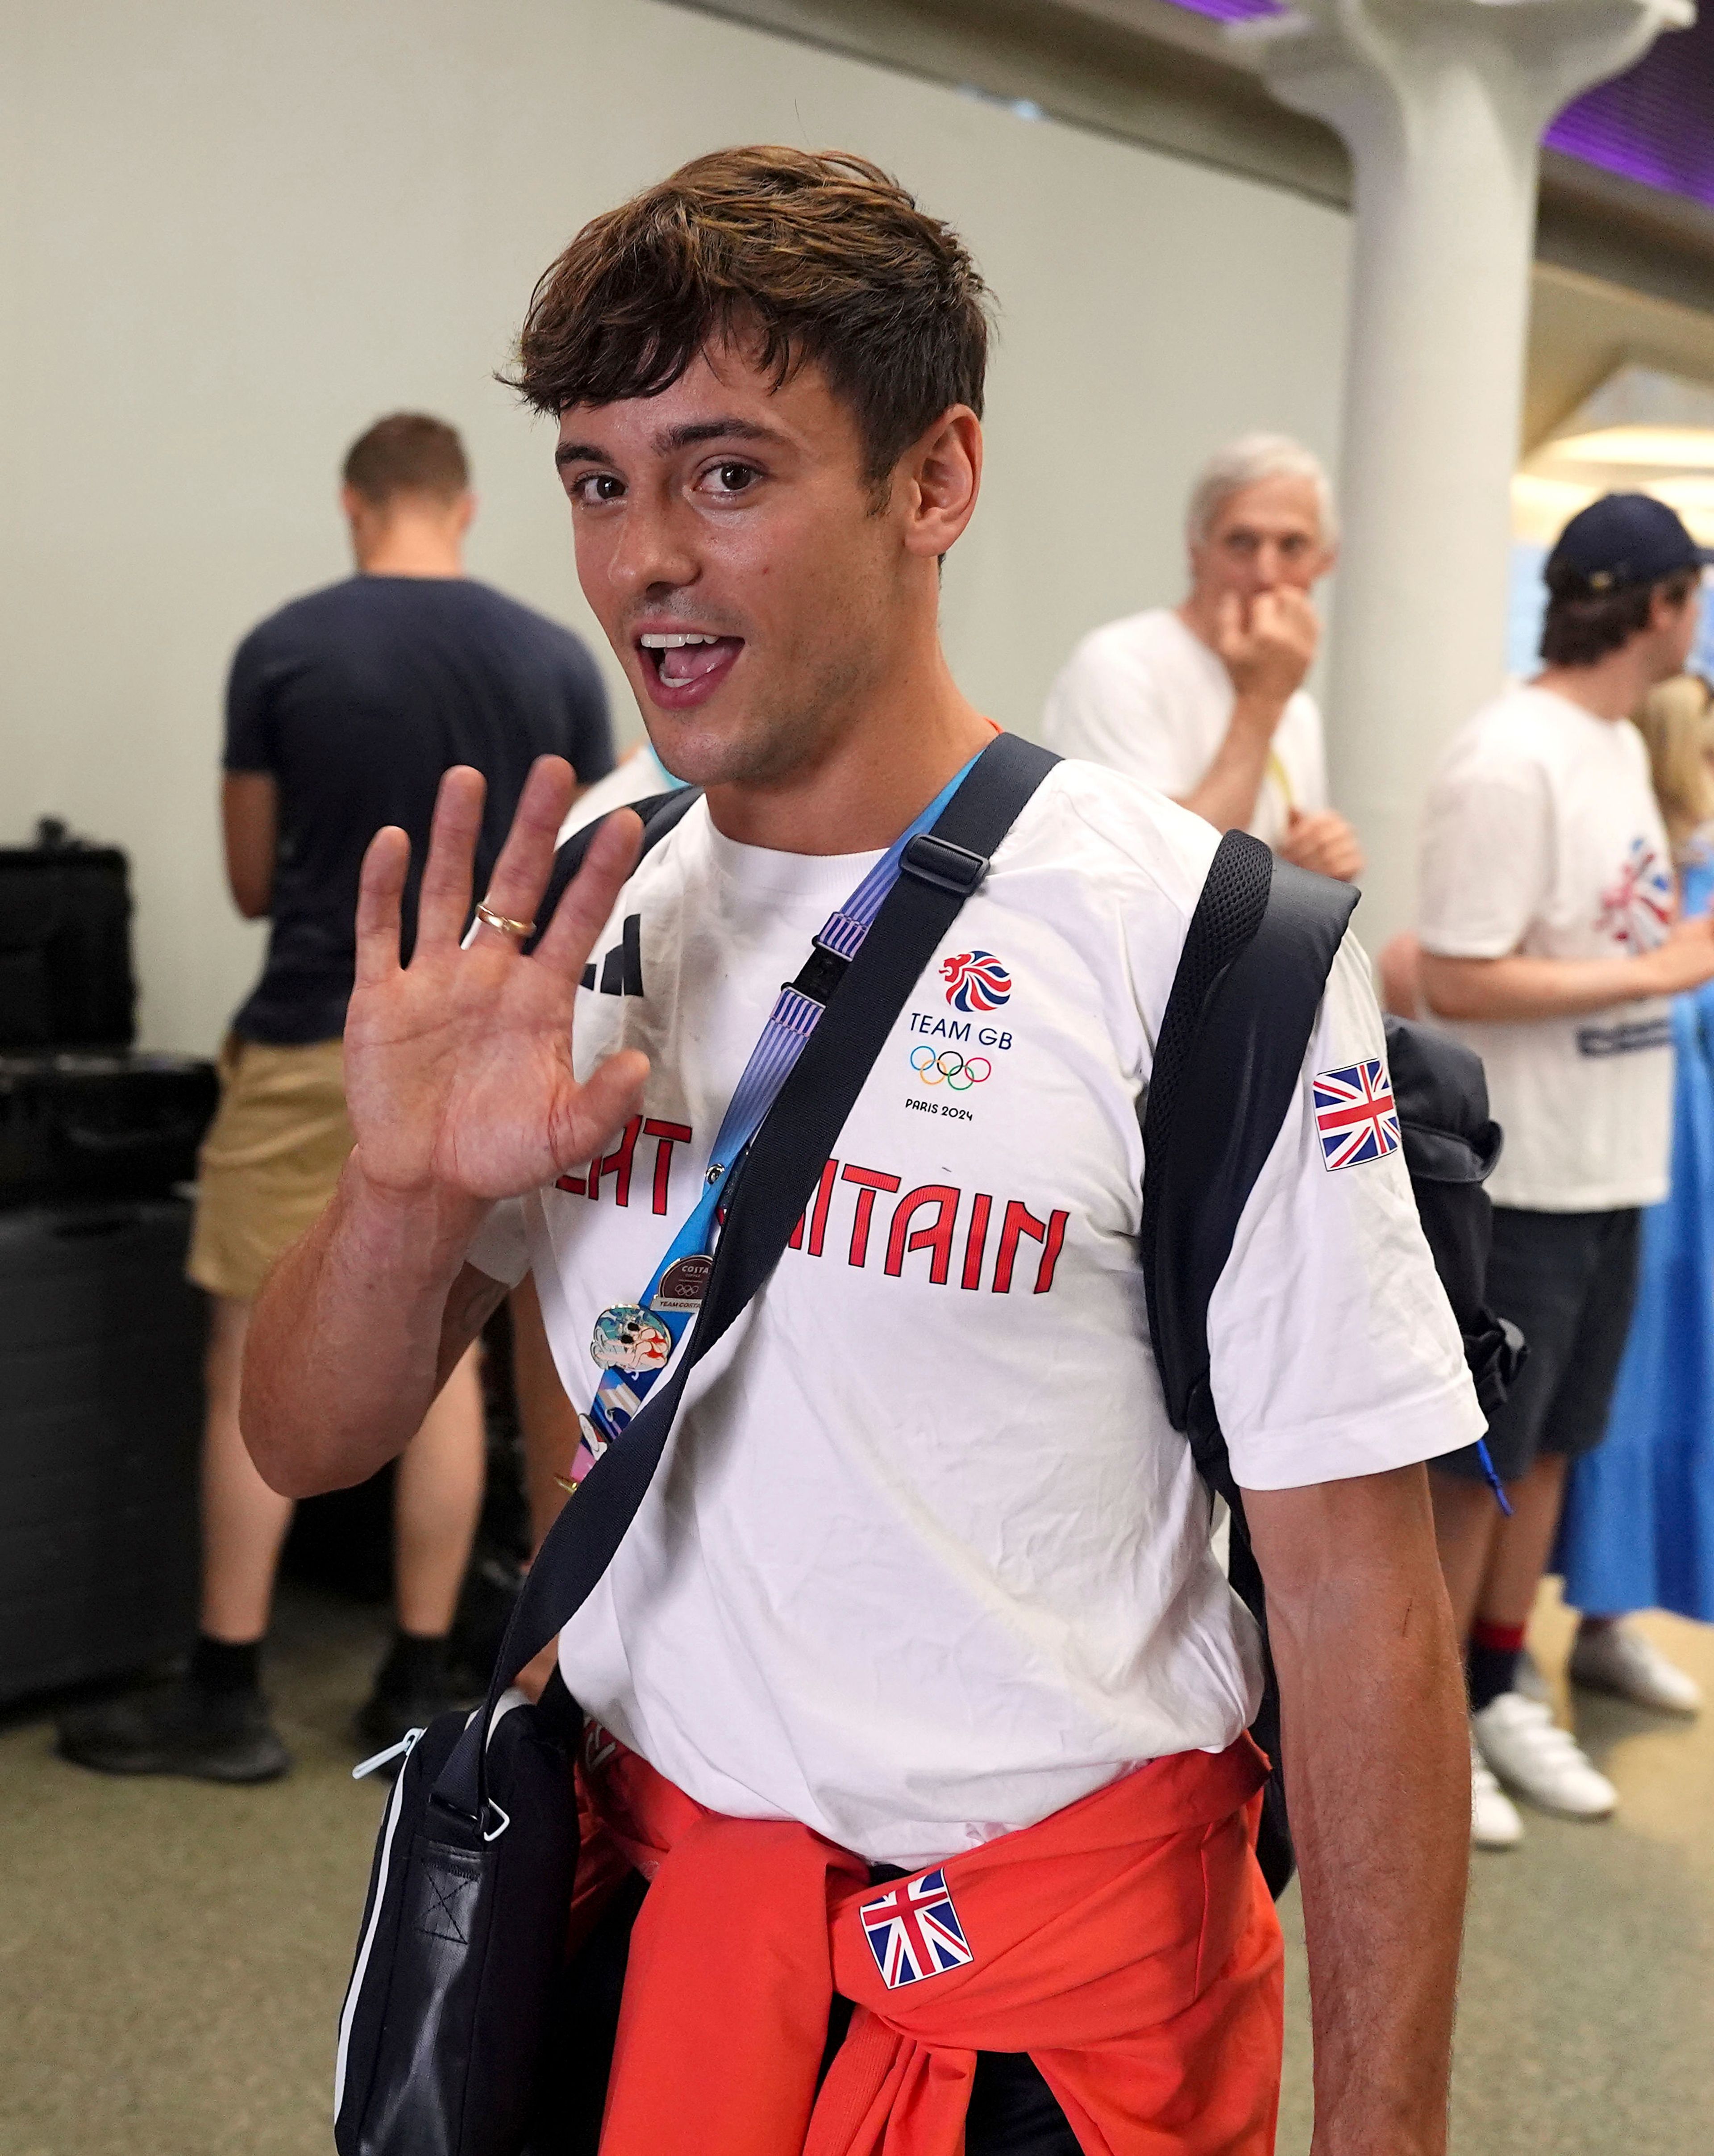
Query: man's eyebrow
x=671, y=439
x=694, y=431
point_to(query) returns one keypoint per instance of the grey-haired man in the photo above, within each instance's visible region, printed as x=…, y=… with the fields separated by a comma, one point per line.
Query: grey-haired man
x=1206, y=700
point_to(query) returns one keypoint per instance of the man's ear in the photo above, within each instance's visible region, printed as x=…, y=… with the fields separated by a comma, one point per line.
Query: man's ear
x=1665, y=611
x=941, y=477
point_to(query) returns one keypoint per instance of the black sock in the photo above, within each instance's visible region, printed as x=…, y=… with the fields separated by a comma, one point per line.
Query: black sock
x=416, y=1663
x=222, y=1668
x=1490, y=1666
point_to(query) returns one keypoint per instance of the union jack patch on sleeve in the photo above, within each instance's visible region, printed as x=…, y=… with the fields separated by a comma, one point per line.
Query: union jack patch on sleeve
x=1357, y=1118
x=913, y=1931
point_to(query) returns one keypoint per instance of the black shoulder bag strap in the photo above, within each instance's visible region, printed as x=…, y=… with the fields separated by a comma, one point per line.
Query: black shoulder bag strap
x=863, y=997
x=1237, y=1026
x=659, y=812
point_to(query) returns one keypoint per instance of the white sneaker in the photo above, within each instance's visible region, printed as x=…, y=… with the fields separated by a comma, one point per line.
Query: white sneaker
x=1530, y=1752
x=1613, y=1658
x=1494, y=1823
x=1529, y=1680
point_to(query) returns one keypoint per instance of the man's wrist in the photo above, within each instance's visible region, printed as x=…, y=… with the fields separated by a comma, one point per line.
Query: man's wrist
x=1257, y=713
x=1643, y=975
x=428, y=1230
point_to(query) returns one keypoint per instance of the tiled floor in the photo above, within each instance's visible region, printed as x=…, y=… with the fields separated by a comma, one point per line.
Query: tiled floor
x=1586, y=2020
x=171, y=1956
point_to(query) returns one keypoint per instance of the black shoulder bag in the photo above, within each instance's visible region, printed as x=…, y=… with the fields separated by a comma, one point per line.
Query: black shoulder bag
x=1232, y=1039
x=463, y=1937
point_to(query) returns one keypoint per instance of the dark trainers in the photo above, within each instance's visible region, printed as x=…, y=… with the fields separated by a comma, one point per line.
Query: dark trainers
x=178, y=1728
x=413, y=1684
x=386, y=1717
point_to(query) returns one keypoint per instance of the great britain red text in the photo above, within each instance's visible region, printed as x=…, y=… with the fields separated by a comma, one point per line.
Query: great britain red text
x=988, y=1241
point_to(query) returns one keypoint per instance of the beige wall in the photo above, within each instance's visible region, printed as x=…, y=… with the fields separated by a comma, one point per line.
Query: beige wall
x=231, y=234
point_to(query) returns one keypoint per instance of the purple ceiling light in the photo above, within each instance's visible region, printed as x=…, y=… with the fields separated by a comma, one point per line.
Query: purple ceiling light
x=1655, y=123
x=1232, y=11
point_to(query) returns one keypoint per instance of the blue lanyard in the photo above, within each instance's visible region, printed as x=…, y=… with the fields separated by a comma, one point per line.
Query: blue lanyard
x=635, y=1341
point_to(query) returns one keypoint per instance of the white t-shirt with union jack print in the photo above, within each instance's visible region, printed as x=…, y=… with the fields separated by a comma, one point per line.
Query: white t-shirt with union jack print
x=1542, y=835
x=925, y=1561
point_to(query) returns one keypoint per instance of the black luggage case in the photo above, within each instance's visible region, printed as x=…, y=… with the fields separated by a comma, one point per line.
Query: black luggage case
x=82, y=1116
x=108, y=1126
x=101, y=1422
x=65, y=972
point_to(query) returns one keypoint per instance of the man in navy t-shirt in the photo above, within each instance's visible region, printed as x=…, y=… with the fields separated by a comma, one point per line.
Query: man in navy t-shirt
x=343, y=710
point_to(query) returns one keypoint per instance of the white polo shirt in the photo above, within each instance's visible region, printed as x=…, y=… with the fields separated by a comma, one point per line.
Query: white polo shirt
x=925, y=1561
x=1147, y=696
x=1541, y=834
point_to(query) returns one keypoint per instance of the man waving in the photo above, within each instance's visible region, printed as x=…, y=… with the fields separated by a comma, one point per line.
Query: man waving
x=921, y=1602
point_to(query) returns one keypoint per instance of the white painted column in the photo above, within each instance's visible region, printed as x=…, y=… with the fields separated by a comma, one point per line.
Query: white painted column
x=1442, y=104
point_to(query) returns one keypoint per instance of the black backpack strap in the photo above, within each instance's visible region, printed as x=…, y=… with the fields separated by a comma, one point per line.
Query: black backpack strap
x=1236, y=1028
x=659, y=812
x=940, y=868
x=1233, y=1038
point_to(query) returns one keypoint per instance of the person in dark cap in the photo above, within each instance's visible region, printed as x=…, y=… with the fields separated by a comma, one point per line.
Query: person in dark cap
x=1551, y=942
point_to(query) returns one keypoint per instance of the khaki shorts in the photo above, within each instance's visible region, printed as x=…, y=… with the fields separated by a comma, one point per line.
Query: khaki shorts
x=271, y=1161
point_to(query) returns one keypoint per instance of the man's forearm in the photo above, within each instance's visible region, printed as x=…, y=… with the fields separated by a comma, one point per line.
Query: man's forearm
x=1226, y=795
x=352, y=1335
x=1520, y=989
x=1376, y=1748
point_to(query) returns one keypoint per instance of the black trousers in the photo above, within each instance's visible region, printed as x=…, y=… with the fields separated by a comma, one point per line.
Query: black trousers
x=1013, y=2111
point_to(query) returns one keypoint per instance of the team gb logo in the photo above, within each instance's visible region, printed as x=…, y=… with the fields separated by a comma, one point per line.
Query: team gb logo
x=976, y=981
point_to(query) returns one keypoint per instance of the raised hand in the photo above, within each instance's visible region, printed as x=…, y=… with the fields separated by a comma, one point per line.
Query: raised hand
x=1268, y=646
x=1321, y=839
x=458, y=1067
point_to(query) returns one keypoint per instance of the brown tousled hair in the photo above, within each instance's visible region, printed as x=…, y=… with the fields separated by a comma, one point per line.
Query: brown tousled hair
x=1582, y=626
x=407, y=452
x=808, y=259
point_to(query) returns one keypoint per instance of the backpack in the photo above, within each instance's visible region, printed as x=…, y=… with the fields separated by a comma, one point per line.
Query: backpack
x=1230, y=1057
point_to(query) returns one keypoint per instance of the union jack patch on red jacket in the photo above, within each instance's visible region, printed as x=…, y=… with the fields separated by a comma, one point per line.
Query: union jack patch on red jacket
x=913, y=1931
x=1356, y=1116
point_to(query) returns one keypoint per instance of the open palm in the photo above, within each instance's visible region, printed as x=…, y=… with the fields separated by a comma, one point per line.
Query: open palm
x=458, y=1067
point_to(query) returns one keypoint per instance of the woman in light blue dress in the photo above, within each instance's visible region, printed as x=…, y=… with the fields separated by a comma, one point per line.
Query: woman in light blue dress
x=1638, y=1528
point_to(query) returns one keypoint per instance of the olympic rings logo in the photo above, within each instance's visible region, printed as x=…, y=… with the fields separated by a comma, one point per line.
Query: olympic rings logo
x=948, y=1068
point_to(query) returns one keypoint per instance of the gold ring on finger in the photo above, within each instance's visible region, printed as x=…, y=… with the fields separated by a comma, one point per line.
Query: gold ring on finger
x=523, y=930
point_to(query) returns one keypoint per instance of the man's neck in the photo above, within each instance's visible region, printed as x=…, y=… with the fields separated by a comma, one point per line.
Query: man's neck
x=410, y=547
x=872, y=780
x=1611, y=688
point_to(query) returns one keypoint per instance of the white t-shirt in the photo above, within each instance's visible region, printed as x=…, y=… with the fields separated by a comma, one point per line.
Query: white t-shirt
x=1542, y=835
x=925, y=1561
x=1146, y=696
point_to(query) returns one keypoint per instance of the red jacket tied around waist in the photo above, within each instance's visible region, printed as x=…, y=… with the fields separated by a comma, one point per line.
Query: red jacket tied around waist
x=1126, y=1942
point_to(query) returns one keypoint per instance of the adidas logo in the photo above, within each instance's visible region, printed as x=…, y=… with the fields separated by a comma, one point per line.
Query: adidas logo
x=622, y=968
